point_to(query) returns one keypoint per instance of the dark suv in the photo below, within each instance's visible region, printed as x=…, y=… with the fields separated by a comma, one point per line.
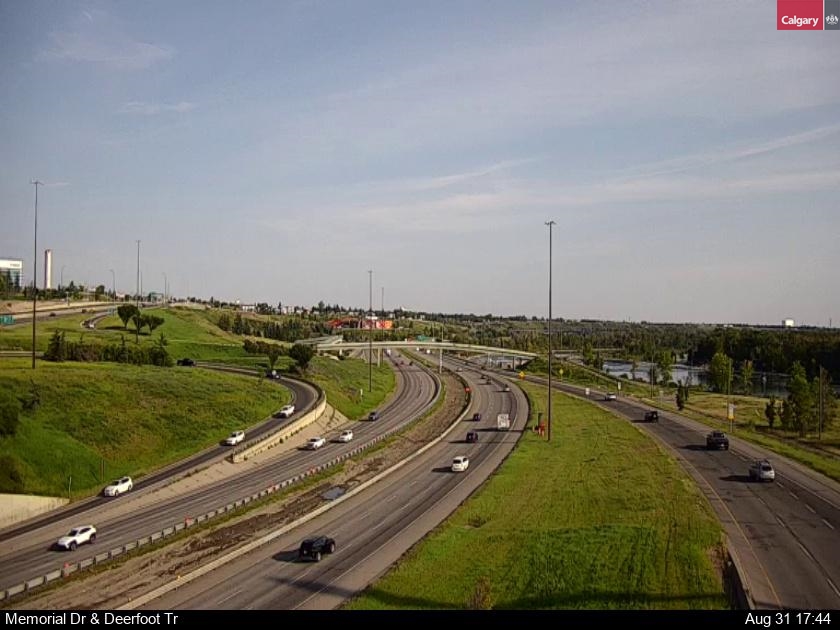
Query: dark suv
x=314, y=548
x=651, y=416
x=186, y=362
x=373, y=415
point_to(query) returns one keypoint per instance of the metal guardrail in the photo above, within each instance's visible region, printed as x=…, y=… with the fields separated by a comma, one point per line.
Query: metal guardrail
x=98, y=559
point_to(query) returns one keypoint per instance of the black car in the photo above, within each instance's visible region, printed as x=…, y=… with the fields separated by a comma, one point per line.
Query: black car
x=651, y=416
x=186, y=362
x=314, y=548
x=472, y=436
x=373, y=415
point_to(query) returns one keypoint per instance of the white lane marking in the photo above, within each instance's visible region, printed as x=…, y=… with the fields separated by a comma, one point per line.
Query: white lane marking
x=810, y=509
x=413, y=482
x=780, y=484
x=806, y=552
x=391, y=498
x=234, y=594
x=833, y=588
x=793, y=495
x=827, y=523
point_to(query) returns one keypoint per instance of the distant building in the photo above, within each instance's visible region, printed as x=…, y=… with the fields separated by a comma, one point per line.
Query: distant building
x=48, y=269
x=788, y=323
x=11, y=269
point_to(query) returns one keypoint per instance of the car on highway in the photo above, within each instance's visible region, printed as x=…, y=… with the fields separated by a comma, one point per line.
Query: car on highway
x=345, y=436
x=476, y=417
x=762, y=470
x=186, y=362
x=506, y=388
x=118, y=486
x=314, y=443
x=374, y=415
x=611, y=396
x=273, y=374
x=76, y=536
x=286, y=411
x=314, y=548
x=651, y=416
x=717, y=440
x=460, y=463
x=235, y=438
x=472, y=436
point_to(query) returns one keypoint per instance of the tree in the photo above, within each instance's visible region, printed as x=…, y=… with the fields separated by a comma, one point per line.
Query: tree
x=771, y=412
x=801, y=400
x=56, y=348
x=139, y=322
x=224, y=322
x=273, y=352
x=680, y=396
x=747, y=376
x=154, y=321
x=99, y=292
x=302, y=355
x=720, y=372
x=126, y=313
x=664, y=362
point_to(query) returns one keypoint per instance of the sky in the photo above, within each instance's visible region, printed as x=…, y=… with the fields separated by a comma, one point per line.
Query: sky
x=688, y=154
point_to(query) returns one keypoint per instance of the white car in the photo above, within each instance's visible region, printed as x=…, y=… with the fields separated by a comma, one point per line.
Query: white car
x=286, y=411
x=77, y=536
x=762, y=470
x=460, y=463
x=235, y=438
x=315, y=443
x=345, y=436
x=118, y=486
x=610, y=396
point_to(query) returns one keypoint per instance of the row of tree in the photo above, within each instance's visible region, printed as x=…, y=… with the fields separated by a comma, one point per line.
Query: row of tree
x=60, y=348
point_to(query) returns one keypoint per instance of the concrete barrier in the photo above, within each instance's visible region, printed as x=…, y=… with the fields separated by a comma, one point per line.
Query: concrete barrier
x=283, y=434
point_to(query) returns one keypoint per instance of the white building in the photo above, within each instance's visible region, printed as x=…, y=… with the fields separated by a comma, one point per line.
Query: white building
x=788, y=323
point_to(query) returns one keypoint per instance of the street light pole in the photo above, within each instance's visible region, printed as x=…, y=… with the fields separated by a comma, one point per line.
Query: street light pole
x=165, y=287
x=35, y=183
x=370, y=333
x=138, y=274
x=550, y=225
x=113, y=286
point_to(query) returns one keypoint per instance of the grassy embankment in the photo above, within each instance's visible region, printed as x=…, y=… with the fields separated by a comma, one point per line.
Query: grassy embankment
x=129, y=419
x=597, y=518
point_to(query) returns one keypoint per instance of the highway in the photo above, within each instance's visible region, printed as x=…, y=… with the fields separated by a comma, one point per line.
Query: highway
x=137, y=514
x=785, y=532
x=372, y=529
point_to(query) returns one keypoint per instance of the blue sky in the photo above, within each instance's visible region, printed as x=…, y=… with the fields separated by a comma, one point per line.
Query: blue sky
x=276, y=151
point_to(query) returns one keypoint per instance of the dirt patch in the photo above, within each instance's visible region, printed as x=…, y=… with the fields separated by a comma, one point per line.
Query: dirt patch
x=120, y=581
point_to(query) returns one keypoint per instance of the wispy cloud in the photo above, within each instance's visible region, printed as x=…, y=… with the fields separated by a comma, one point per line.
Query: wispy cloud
x=732, y=154
x=152, y=109
x=109, y=49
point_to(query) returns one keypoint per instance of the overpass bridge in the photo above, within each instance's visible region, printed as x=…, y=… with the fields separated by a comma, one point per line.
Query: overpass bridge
x=513, y=358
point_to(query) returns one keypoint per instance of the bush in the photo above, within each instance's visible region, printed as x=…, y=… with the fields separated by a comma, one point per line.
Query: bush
x=9, y=413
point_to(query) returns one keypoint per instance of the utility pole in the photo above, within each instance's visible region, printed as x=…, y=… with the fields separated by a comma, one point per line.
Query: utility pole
x=550, y=225
x=138, y=274
x=370, y=333
x=383, y=301
x=35, y=183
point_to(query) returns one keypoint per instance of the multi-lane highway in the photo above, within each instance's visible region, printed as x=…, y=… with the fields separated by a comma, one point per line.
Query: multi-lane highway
x=786, y=533
x=25, y=555
x=372, y=529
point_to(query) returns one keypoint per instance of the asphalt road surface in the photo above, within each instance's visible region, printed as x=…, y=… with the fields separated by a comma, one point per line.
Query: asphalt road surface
x=784, y=532
x=27, y=554
x=372, y=529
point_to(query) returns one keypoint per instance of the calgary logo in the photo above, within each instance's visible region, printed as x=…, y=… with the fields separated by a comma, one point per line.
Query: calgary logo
x=800, y=15
x=832, y=20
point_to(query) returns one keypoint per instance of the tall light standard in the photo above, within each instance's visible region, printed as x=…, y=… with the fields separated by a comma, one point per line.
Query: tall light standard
x=370, y=334
x=550, y=225
x=138, y=274
x=113, y=286
x=61, y=282
x=165, y=287
x=35, y=183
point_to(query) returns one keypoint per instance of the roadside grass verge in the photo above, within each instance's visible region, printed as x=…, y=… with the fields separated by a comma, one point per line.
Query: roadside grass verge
x=96, y=421
x=598, y=518
x=346, y=384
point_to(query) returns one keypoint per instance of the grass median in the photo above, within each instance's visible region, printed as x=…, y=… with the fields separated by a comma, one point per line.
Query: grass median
x=598, y=518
